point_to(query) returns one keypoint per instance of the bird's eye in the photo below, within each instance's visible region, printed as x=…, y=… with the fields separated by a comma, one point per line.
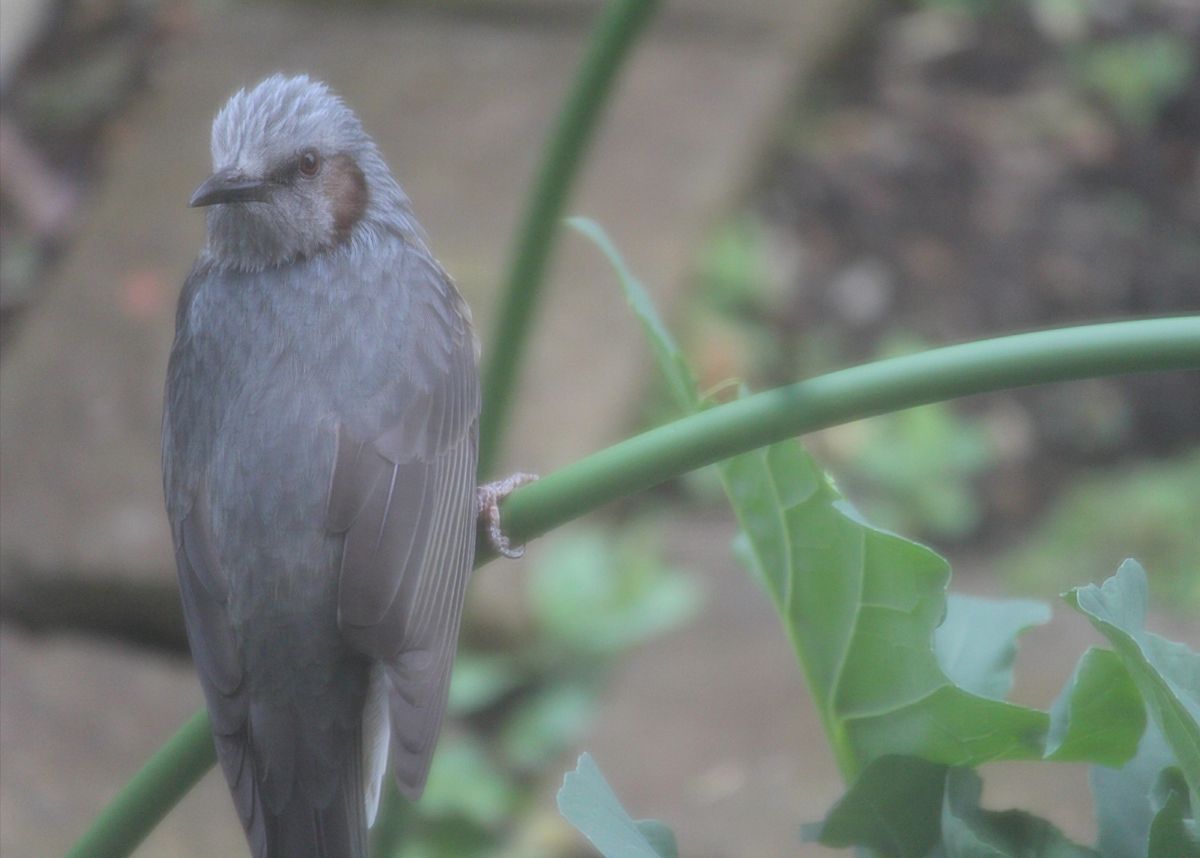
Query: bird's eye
x=309, y=163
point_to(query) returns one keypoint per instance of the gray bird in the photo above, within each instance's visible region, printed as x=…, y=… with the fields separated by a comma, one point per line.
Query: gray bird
x=319, y=451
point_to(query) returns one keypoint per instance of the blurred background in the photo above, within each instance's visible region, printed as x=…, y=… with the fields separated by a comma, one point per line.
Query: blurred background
x=801, y=185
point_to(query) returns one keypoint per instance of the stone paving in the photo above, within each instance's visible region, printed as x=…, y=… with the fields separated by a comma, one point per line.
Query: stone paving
x=460, y=101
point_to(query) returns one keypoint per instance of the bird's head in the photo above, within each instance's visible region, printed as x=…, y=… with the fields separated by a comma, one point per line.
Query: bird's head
x=294, y=176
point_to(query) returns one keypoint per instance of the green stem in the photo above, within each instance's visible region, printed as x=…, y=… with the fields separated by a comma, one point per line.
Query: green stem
x=726, y=430
x=611, y=40
x=984, y=366
x=173, y=770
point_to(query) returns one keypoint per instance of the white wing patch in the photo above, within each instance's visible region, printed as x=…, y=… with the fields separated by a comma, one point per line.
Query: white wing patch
x=375, y=735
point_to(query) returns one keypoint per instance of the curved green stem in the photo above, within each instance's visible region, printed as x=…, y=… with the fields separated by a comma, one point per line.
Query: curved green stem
x=983, y=366
x=614, y=35
x=650, y=458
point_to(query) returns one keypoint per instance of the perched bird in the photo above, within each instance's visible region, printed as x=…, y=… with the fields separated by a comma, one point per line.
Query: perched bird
x=319, y=452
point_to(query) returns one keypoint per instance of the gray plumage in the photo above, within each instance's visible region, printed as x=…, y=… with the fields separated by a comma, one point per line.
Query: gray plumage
x=319, y=451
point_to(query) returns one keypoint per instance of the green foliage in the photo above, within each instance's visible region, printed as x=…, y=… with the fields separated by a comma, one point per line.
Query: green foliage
x=1167, y=674
x=1099, y=715
x=480, y=679
x=906, y=807
x=1173, y=832
x=466, y=785
x=1137, y=75
x=860, y=605
x=588, y=803
x=732, y=268
x=1125, y=808
x=548, y=721
x=972, y=7
x=969, y=831
x=911, y=684
x=892, y=807
x=1149, y=512
x=1134, y=75
x=594, y=593
x=805, y=543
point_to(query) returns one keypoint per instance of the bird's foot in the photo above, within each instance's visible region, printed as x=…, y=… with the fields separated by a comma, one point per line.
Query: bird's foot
x=487, y=503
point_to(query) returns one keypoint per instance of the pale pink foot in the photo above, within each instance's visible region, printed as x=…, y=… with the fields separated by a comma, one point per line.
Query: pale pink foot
x=487, y=504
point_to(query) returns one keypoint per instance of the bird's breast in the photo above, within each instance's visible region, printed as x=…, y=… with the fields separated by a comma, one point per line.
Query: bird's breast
x=274, y=363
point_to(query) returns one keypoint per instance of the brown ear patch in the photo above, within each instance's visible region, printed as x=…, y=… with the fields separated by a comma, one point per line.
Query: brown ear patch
x=346, y=188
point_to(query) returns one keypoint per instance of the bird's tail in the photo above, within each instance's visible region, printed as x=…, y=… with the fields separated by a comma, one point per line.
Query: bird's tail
x=338, y=830
x=321, y=818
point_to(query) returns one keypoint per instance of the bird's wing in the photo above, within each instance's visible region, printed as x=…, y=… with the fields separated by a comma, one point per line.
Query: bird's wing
x=405, y=501
x=203, y=587
x=249, y=745
x=204, y=592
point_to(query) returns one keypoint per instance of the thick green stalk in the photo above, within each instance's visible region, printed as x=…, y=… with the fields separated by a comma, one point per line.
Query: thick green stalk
x=612, y=38
x=173, y=770
x=984, y=366
x=650, y=458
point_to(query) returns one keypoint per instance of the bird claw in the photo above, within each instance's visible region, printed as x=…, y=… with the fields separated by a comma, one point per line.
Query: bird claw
x=487, y=503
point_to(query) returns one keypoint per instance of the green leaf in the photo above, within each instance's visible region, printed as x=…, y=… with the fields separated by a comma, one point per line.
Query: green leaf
x=1124, y=812
x=480, y=680
x=588, y=802
x=860, y=604
x=968, y=831
x=1138, y=74
x=1167, y=674
x=893, y=807
x=976, y=643
x=1171, y=836
x=543, y=725
x=452, y=837
x=676, y=371
x=1099, y=716
x=732, y=269
x=464, y=782
x=596, y=594
x=906, y=807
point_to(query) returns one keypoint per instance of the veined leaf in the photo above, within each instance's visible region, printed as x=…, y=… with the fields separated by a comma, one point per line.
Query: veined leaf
x=893, y=807
x=1099, y=716
x=1166, y=673
x=906, y=807
x=860, y=605
x=969, y=831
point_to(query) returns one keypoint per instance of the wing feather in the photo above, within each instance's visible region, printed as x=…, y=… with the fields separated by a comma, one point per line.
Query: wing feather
x=405, y=502
x=204, y=592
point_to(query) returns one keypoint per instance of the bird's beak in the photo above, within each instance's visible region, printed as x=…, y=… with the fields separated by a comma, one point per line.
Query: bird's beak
x=229, y=186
